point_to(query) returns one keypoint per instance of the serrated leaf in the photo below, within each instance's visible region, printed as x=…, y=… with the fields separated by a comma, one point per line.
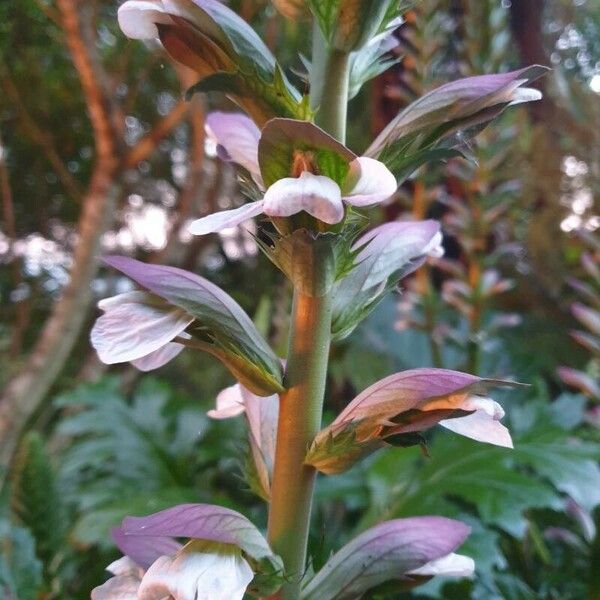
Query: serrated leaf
x=484, y=476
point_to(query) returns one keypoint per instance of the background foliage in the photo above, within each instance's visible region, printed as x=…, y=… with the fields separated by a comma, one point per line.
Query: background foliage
x=520, y=225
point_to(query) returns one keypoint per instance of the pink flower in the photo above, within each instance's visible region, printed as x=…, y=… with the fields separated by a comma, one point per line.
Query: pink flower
x=138, y=327
x=213, y=565
x=368, y=181
x=398, y=408
x=262, y=414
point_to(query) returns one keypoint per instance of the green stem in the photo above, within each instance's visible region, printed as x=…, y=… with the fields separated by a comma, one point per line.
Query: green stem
x=299, y=421
x=329, y=86
x=301, y=406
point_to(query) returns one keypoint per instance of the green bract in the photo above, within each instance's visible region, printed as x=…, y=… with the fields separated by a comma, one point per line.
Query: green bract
x=281, y=141
x=349, y=24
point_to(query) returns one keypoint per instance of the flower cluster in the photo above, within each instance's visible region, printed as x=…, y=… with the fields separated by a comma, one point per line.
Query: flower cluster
x=312, y=192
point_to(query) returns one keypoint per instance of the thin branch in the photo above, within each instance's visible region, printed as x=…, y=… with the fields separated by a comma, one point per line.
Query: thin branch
x=39, y=137
x=146, y=146
x=8, y=216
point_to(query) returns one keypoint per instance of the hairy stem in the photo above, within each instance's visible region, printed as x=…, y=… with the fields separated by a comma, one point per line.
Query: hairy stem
x=302, y=404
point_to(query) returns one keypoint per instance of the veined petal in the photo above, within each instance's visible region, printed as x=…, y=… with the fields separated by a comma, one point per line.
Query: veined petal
x=230, y=403
x=226, y=218
x=158, y=358
x=142, y=550
x=452, y=565
x=483, y=425
x=125, y=583
x=262, y=414
x=138, y=18
x=135, y=325
x=319, y=196
x=120, y=587
x=238, y=135
x=368, y=182
x=200, y=571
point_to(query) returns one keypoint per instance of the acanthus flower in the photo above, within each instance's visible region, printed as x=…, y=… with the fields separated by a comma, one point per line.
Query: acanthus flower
x=224, y=557
x=262, y=414
x=138, y=327
x=397, y=409
x=366, y=182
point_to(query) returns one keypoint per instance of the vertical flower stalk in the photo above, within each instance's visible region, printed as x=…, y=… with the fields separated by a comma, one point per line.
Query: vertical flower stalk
x=301, y=406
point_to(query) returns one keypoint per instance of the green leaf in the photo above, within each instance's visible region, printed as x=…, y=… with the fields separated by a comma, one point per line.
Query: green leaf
x=282, y=139
x=20, y=570
x=128, y=457
x=571, y=465
x=36, y=500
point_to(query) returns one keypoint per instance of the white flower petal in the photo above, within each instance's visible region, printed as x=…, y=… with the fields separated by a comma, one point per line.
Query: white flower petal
x=158, y=358
x=435, y=248
x=521, y=95
x=483, y=425
x=135, y=325
x=452, y=565
x=239, y=136
x=368, y=182
x=138, y=18
x=226, y=218
x=124, y=566
x=135, y=296
x=230, y=403
x=216, y=573
x=319, y=196
x=121, y=587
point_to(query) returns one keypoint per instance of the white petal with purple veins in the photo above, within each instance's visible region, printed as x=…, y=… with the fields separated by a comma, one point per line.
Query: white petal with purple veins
x=239, y=136
x=226, y=218
x=200, y=571
x=138, y=18
x=368, y=182
x=483, y=425
x=230, y=403
x=158, y=358
x=317, y=195
x=135, y=325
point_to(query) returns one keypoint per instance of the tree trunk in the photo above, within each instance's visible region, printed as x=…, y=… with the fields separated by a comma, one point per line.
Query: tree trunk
x=24, y=395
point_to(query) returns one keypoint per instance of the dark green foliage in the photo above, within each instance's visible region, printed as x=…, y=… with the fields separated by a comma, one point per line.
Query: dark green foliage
x=20, y=569
x=135, y=458
x=36, y=499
